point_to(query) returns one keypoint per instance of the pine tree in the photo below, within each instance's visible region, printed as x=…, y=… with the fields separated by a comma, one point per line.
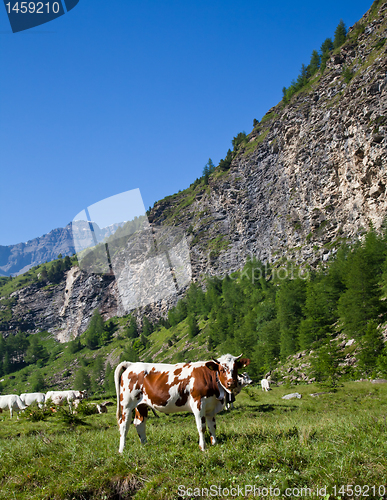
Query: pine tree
x=129, y=354
x=82, y=380
x=326, y=364
x=35, y=351
x=361, y=300
x=322, y=295
x=290, y=302
x=108, y=331
x=3, y=347
x=211, y=166
x=340, y=35
x=206, y=174
x=66, y=265
x=238, y=139
x=37, y=382
x=371, y=348
x=147, y=327
x=208, y=169
x=17, y=347
x=74, y=346
x=326, y=46
x=7, y=367
x=193, y=327
x=326, y=49
x=95, y=331
x=96, y=373
x=302, y=77
x=131, y=330
x=108, y=384
x=315, y=62
x=225, y=164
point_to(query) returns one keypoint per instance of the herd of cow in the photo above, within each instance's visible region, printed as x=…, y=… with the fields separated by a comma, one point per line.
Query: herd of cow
x=19, y=403
x=204, y=388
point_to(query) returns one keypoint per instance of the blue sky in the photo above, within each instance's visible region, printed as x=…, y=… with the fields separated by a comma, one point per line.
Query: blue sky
x=118, y=95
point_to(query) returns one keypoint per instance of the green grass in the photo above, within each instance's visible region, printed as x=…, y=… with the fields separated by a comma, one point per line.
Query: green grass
x=269, y=116
x=330, y=440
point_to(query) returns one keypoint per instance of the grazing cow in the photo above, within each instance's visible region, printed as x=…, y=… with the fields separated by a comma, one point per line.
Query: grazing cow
x=198, y=387
x=265, y=384
x=59, y=397
x=243, y=381
x=13, y=402
x=33, y=397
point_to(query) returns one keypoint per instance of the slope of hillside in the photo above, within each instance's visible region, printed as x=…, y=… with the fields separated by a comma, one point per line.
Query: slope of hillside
x=310, y=175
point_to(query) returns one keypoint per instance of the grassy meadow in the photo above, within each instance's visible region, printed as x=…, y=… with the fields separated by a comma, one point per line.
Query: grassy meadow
x=331, y=440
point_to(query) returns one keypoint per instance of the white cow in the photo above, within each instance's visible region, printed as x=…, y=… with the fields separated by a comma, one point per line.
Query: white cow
x=243, y=381
x=265, y=384
x=59, y=397
x=13, y=402
x=33, y=397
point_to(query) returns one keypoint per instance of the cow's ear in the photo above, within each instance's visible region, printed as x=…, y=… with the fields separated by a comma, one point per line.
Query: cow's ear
x=212, y=365
x=241, y=363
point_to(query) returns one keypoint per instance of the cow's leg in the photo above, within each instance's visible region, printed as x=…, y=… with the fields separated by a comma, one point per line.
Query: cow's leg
x=124, y=422
x=10, y=411
x=201, y=425
x=211, y=423
x=141, y=415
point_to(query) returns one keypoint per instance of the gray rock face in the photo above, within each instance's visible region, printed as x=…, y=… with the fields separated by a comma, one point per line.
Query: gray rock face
x=64, y=309
x=313, y=171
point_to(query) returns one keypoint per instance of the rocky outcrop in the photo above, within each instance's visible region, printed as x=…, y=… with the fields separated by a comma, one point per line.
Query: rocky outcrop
x=64, y=309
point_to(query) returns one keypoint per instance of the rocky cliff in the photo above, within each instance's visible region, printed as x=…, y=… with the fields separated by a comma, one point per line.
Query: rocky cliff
x=312, y=173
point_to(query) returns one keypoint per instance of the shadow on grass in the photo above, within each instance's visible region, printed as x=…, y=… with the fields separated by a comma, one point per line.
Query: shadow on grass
x=264, y=408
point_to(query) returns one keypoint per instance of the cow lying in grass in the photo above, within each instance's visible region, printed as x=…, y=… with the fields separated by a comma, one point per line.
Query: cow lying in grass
x=196, y=387
x=13, y=402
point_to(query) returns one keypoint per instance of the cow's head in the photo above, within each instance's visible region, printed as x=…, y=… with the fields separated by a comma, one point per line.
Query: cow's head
x=82, y=395
x=244, y=379
x=227, y=367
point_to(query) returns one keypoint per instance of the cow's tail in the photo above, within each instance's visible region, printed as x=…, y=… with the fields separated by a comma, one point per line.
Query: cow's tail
x=117, y=379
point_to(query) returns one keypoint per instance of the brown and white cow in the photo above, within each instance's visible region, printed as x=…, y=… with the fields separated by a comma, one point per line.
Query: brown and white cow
x=198, y=387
